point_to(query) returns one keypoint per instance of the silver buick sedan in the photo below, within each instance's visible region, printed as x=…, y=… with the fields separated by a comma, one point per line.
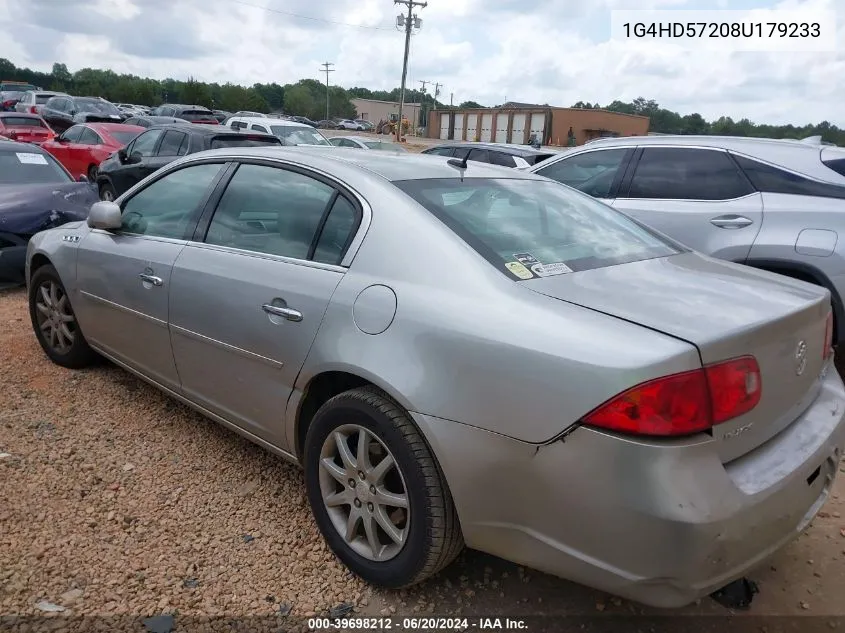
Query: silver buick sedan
x=463, y=353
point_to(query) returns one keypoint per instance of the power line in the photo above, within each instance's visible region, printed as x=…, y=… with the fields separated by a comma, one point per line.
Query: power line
x=326, y=68
x=306, y=17
x=409, y=22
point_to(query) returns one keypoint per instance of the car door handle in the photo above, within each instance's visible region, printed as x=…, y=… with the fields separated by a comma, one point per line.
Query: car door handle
x=286, y=313
x=152, y=279
x=731, y=221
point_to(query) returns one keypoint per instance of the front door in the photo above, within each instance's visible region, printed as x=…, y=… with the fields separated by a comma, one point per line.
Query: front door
x=248, y=297
x=124, y=277
x=697, y=196
x=139, y=153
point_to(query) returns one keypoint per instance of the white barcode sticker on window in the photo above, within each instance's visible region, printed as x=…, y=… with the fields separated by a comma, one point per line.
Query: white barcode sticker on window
x=28, y=158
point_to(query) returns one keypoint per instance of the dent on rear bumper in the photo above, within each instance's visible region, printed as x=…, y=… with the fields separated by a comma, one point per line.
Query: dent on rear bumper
x=662, y=524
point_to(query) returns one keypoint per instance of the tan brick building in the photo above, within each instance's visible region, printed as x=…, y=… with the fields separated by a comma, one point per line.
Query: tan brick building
x=375, y=110
x=517, y=122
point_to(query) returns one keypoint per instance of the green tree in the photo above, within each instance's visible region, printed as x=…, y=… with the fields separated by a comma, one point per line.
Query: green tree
x=299, y=101
x=470, y=104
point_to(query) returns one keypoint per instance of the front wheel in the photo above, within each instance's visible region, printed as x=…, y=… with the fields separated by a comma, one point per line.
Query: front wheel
x=107, y=192
x=377, y=493
x=54, y=322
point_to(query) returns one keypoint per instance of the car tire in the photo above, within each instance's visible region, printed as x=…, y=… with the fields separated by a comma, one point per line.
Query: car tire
x=428, y=528
x=107, y=192
x=92, y=173
x=54, y=321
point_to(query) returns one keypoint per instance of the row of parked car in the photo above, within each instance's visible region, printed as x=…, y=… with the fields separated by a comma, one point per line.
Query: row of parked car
x=577, y=391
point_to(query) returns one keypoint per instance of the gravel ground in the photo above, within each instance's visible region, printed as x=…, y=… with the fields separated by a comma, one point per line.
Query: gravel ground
x=117, y=500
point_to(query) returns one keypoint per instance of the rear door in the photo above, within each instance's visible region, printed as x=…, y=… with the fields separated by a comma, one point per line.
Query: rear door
x=697, y=196
x=249, y=293
x=597, y=172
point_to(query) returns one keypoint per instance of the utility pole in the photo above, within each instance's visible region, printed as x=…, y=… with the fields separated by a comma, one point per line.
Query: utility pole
x=422, y=102
x=327, y=68
x=451, y=99
x=408, y=22
x=437, y=88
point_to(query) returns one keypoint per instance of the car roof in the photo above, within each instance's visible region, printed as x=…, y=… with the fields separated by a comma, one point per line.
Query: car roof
x=699, y=140
x=160, y=119
x=206, y=130
x=508, y=148
x=266, y=121
x=390, y=166
x=113, y=127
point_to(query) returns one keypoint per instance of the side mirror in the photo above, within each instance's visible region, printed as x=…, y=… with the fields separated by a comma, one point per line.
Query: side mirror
x=105, y=215
x=82, y=178
x=121, y=154
x=134, y=157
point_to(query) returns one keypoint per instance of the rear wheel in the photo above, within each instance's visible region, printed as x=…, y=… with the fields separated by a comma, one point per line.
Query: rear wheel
x=376, y=491
x=54, y=322
x=107, y=192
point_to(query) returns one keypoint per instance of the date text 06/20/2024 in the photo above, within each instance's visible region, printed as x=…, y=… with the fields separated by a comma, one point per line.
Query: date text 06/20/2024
x=417, y=624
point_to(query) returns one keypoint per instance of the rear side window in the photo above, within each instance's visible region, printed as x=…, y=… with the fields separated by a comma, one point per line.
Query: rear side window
x=243, y=140
x=260, y=128
x=337, y=232
x=674, y=173
x=591, y=172
x=480, y=155
x=837, y=165
x=770, y=179
x=529, y=228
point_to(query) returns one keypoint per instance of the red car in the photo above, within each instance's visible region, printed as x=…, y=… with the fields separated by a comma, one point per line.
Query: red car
x=81, y=148
x=25, y=128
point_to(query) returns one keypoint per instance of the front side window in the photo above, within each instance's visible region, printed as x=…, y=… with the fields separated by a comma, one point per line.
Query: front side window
x=30, y=166
x=529, y=228
x=73, y=134
x=591, y=172
x=675, y=173
x=173, y=144
x=89, y=137
x=440, y=151
x=500, y=158
x=270, y=210
x=145, y=143
x=169, y=206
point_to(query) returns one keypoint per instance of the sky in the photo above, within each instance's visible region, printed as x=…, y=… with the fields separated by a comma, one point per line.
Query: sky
x=490, y=51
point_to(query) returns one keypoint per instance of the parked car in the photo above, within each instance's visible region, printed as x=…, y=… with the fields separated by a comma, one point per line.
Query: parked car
x=36, y=193
x=9, y=100
x=62, y=112
x=504, y=154
x=346, y=124
x=33, y=101
x=16, y=86
x=221, y=115
x=366, y=142
x=149, y=120
x=368, y=126
x=25, y=128
x=249, y=113
x=326, y=124
x=778, y=205
x=81, y=148
x=304, y=120
x=636, y=429
x=290, y=132
x=162, y=144
x=192, y=113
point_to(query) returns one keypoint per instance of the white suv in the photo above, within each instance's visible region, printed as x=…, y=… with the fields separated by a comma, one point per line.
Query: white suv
x=290, y=132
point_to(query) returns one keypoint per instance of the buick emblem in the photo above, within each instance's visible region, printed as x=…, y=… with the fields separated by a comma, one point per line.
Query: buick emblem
x=800, y=358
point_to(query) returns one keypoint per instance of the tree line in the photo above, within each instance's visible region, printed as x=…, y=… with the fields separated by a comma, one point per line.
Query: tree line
x=307, y=97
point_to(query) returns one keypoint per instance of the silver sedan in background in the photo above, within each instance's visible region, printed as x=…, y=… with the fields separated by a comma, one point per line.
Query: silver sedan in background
x=366, y=142
x=463, y=353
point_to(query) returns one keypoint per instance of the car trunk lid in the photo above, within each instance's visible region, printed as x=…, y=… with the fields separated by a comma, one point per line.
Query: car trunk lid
x=726, y=311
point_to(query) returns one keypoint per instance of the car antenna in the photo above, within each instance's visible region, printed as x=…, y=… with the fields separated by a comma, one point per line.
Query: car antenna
x=460, y=165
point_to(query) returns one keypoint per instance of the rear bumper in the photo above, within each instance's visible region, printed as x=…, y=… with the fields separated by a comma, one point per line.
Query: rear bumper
x=659, y=523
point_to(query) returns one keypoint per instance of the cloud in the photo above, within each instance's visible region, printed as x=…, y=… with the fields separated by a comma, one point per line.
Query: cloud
x=555, y=52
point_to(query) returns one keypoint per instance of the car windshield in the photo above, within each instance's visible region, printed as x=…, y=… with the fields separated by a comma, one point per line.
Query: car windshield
x=527, y=224
x=393, y=147
x=22, y=121
x=123, y=137
x=96, y=105
x=243, y=140
x=26, y=167
x=295, y=135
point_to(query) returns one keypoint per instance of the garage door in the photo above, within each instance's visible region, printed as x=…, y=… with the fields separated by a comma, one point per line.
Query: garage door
x=472, y=126
x=501, y=135
x=486, y=128
x=444, y=126
x=518, y=130
x=459, y=126
x=538, y=126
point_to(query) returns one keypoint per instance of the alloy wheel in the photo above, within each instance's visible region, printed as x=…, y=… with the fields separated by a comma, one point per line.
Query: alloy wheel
x=364, y=492
x=54, y=317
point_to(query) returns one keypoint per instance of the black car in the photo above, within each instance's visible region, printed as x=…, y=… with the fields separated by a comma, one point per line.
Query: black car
x=325, y=124
x=304, y=119
x=153, y=149
x=504, y=154
x=36, y=193
x=221, y=115
x=192, y=113
x=149, y=121
x=63, y=111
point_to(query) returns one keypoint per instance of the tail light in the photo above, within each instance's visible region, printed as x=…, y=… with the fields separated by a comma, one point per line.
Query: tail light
x=33, y=110
x=685, y=403
x=828, y=337
x=13, y=135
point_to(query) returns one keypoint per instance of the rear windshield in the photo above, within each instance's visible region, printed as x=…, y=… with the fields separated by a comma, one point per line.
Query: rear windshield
x=295, y=135
x=17, y=87
x=30, y=168
x=43, y=98
x=536, y=229
x=97, y=106
x=22, y=121
x=197, y=115
x=123, y=137
x=243, y=140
